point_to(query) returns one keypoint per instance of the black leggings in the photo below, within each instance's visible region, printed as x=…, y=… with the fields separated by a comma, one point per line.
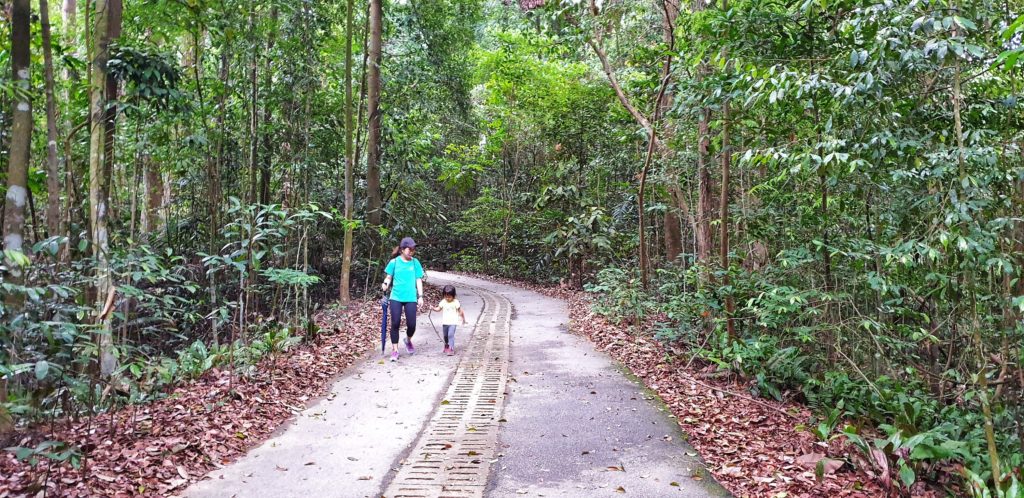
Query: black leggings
x=396, y=319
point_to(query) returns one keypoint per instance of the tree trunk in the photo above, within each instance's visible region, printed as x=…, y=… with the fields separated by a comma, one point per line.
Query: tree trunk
x=6, y=420
x=153, y=184
x=268, y=155
x=723, y=200
x=373, y=199
x=704, y=188
x=21, y=142
x=107, y=27
x=213, y=173
x=69, y=15
x=673, y=234
x=52, y=169
x=346, y=265
x=254, y=117
x=648, y=125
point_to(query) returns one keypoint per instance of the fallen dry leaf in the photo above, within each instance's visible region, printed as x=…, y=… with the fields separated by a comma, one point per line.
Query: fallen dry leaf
x=189, y=439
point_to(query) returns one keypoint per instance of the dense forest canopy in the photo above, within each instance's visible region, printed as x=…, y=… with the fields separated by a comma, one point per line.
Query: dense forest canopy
x=824, y=197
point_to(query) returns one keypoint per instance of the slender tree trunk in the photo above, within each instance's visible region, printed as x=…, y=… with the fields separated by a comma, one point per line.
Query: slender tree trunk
x=659, y=105
x=645, y=264
x=110, y=121
x=654, y=144
x=373, y=199
x=153, y=183
x=21, y=143
x=723, y=214
x=268, y=155
x=360, y=102
x=673, y=235
x=69, y=14
x=704, y=188
x=12, y=210
x=6, y=420
x=52, y=169
x=704, y=182
x=346, y=265
x=254, y=117
x=979, y=344
x=723, y=198
x=213, y=173
x=107, y=27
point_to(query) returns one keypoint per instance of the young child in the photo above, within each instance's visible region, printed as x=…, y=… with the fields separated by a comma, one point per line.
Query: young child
x=451, y=313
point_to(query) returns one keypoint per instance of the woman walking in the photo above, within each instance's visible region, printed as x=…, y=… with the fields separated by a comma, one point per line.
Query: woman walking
x=405, y=276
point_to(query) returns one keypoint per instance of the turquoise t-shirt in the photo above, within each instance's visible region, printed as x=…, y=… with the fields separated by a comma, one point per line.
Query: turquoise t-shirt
x=403, y=278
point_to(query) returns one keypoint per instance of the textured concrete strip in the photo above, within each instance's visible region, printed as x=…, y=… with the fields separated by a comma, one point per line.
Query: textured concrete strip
x=346, y=444
x=453, y=456
x=577, y=425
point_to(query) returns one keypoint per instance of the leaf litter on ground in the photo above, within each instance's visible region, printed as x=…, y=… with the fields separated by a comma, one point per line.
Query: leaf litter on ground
x=158, y=448
x=751, y=446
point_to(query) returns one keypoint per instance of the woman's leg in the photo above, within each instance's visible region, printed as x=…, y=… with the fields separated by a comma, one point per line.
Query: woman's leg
x=395, y=310
x=410, y=320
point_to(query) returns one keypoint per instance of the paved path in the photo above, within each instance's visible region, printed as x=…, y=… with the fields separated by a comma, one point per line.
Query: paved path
x=524, y=409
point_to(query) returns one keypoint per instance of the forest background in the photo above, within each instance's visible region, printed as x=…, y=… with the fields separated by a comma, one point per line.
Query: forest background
x=821, y=197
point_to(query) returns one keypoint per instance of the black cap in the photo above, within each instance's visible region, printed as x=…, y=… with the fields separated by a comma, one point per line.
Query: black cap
x=407, y=242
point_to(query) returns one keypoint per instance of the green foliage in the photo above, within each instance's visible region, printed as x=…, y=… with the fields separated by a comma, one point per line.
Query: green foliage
x=772, y=367
x=589, y=235
x=875, y=200
x=908, y=454
x=150, y=77
x=194, y=361
x=54, y=451
x=276, y=340
x=288, y=276
x=620, y=295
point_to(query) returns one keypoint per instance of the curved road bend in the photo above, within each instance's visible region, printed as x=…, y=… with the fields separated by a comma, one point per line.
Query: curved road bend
x=524, y=409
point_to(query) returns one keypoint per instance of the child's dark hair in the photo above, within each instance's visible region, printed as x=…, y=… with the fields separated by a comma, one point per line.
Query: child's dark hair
x=449, y=290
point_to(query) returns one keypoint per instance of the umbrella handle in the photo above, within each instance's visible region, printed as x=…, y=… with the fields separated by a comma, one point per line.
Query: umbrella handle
x=438, y=334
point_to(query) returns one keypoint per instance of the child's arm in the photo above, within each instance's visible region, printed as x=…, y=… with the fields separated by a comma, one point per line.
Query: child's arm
x=437, y=308
x=463, y=315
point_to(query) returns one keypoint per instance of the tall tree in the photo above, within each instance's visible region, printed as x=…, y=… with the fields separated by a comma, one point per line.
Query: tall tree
x=102, y=89
x=52, y=169
x=673, y=234
x=723, y=198
x=346, y=265
x=21, y=138
x=661, y=103
x=373, y=199
x=69, y=16
x=267, y=159
x=17, y=173
x=704, y=182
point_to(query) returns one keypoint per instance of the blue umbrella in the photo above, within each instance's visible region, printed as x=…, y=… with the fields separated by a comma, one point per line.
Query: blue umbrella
x=383, y=323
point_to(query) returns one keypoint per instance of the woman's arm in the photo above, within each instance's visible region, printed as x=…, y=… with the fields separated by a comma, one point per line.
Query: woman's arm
x=419, y=291
x=387, y=282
